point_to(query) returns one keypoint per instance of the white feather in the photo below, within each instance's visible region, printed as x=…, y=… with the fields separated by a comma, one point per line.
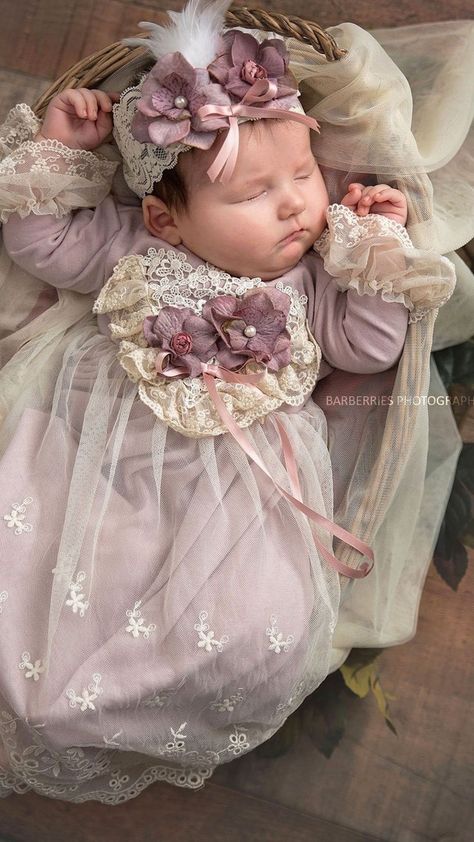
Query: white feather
x=194, y=32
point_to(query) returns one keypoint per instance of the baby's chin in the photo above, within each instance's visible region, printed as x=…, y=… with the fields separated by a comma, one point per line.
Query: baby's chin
x=277, y=264
x=283, y=263
x=268, y=268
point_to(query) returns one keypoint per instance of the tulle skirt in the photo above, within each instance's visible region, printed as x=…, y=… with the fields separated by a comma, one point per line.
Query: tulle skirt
x=163, y=608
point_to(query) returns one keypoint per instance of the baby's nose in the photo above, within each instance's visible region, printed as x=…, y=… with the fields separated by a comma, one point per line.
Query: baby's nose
x=291, y=201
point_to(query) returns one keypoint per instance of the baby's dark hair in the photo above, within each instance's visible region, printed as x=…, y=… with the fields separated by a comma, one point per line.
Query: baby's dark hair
x=172, y=189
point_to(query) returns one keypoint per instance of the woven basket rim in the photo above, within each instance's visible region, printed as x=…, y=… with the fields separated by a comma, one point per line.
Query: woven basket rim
x=93, y=69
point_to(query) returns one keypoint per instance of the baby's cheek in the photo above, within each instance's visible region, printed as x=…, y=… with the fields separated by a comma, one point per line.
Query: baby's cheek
x=320, y=218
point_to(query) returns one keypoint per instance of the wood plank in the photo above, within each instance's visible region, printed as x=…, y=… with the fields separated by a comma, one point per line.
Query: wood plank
x=32, y=39
x=19, y=87
x=46, y=36
x=75, y=45
x=164, y=813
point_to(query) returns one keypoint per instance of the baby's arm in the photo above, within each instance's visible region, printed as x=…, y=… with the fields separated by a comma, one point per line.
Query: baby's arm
x=51, y=236
x=73, y=252
x=374, y=281
x=357, y=333
x=362, y=333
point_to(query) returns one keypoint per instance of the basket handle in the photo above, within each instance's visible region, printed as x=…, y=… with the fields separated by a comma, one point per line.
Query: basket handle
x=93, y=69
x=289, y=26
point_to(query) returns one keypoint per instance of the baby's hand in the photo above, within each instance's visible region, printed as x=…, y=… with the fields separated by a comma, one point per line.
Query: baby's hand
x=380, y=199
x=79, y=118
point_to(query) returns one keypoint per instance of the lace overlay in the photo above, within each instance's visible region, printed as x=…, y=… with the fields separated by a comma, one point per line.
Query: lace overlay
x=47, y=177
x=21, y=124
x=374, y=254
x=141, y=285
x=143, y=163
x=34, y=763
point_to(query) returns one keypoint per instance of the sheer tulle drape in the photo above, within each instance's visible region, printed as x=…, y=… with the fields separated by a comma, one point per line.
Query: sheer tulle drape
x=192, y=566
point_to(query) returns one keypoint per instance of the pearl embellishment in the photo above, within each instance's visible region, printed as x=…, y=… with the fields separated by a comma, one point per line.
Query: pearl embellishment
x=180, y=102
x=250, y=331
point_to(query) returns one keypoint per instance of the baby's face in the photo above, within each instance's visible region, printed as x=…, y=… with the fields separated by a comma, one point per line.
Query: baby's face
x=269, y=214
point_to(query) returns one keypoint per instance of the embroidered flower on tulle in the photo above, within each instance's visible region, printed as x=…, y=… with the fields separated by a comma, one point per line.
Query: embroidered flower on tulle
x=245, y=62
x=253, y=327
x=172, y=95
x=190, y=339
x=17, y=516
x=89, y=694
x=277, y=643
x=33, y=670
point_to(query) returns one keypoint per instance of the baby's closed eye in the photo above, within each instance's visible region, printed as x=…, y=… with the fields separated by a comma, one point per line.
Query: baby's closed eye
x=261, y=193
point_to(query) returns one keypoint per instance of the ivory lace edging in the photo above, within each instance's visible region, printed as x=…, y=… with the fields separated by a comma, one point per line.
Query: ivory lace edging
x=373, y=254
x=141, y=285
x=46, y=177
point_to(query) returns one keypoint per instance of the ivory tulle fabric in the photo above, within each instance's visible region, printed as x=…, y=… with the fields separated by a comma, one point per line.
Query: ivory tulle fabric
x=147, y=642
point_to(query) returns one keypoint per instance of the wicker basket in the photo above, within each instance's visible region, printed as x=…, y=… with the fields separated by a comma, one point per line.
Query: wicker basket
x=94, y=69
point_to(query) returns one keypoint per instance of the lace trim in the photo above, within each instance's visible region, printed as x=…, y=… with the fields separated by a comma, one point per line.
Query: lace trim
x=30, y=762
x=143, y=163
x=141, y=285
x=47, y=177
x=21, y=124
x=353, y=254
x=347, y=228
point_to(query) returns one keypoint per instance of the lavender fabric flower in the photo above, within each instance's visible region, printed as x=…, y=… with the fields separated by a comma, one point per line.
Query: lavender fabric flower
x=251, y=327
x=245, y=61
x=172, y=94
x=189, y=338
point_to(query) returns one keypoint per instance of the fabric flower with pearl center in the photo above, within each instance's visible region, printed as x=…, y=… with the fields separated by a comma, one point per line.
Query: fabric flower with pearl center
x=189, y=338
x=172, y=95
x=251, y=327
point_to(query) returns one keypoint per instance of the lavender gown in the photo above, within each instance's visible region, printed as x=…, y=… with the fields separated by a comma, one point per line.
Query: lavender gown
x=164, y=608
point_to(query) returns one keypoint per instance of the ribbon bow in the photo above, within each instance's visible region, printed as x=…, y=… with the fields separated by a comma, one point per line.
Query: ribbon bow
x=261, y=91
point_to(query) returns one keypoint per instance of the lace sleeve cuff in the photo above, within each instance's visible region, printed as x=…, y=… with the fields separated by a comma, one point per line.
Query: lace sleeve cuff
x=374, y=254
x=46, y=177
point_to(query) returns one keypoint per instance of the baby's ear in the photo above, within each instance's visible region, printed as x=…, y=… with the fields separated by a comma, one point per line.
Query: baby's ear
x=159, y=220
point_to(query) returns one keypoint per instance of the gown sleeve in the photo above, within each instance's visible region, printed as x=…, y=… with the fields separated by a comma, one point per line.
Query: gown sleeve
x=372, y=284
x=59, y=222
x=357, y=333
x=73, y=252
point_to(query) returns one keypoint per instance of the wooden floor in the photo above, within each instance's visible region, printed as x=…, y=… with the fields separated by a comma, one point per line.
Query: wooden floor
x=413, y=787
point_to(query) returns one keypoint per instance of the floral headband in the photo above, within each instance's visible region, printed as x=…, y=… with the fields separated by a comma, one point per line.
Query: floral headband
x=204, y=81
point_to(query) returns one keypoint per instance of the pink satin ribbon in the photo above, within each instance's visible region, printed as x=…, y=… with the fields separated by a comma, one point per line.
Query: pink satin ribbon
x=210, y=372
x=261, y=91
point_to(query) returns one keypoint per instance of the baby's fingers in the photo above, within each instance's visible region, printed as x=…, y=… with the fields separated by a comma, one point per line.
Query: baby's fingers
x=79, y=100
x=90, y=101
x=352, y=197
x=105, y=100
x=390, y=194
